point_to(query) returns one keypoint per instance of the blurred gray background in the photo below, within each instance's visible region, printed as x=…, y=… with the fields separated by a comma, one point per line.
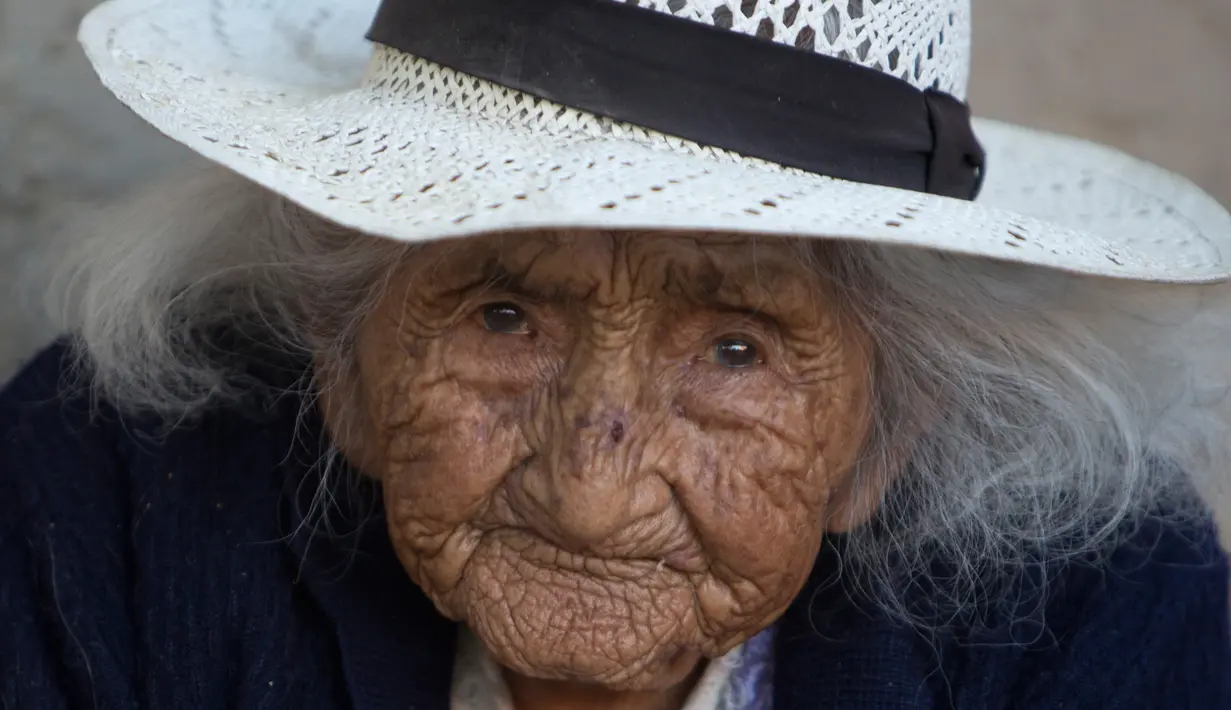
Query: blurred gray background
x=1149, y=76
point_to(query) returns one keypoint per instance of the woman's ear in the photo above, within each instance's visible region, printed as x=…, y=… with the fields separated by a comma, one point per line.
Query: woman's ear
x=857, y=499
x=859, y=496
x=341, y=405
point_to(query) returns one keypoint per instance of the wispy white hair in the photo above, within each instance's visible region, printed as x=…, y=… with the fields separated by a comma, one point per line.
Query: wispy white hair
x=1033, y=406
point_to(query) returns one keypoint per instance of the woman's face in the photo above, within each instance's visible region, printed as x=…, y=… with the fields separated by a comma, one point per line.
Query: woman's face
x=610, y=455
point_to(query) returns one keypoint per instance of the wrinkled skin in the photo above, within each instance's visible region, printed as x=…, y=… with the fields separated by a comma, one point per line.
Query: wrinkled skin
x=590, y=485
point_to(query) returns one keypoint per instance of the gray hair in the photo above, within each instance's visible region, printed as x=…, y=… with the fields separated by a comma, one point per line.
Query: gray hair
x=1033, y=406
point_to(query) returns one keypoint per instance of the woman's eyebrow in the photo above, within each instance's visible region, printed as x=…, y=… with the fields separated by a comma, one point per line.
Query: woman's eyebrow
x=496, y=275
x=754, y=290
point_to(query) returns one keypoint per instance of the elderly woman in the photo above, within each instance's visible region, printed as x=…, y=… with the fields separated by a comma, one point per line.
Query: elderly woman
x=549, y=362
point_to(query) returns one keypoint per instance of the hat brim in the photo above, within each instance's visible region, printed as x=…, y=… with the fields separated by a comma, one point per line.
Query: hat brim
x=273, y=90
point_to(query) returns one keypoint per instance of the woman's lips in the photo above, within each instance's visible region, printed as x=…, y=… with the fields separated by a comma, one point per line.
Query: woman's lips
x=541, y=552
x=664, y=540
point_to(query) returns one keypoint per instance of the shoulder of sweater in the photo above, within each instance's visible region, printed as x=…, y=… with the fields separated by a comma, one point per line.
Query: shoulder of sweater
x=133, y=556
x=50, y=427
x=58, y=438
x=48, y=379
x=1163, y=565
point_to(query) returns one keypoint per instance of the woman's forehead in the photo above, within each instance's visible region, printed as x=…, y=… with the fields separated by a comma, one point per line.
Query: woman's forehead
x=584, y=264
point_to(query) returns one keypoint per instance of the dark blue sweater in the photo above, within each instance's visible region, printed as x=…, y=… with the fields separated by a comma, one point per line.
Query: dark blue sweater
x=147, y=571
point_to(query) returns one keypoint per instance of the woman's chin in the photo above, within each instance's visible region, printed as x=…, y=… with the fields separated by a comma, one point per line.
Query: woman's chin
x=627, y=661
x=619, y=625
x=662, y=672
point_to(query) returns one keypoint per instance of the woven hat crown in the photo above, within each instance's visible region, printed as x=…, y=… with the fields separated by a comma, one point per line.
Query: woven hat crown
x=925, y=42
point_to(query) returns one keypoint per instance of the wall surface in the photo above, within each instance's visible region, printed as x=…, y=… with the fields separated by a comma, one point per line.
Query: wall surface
x=1149, y=77
x=62, y=137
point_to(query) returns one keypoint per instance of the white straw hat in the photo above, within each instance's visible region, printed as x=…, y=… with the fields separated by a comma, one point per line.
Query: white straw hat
x=291, y=94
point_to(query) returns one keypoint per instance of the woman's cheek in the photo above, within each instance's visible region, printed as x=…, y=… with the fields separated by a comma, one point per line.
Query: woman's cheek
x=495, y=363
x=738, y=399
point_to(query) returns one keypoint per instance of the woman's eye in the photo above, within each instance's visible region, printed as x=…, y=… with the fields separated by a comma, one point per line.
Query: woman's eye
x=735, y=353
x=505, y=318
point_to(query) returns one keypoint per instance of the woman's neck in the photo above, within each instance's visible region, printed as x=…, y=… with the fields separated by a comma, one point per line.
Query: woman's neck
x=536, y=694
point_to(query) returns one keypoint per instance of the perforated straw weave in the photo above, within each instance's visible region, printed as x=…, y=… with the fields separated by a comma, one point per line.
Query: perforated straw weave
x=289, y=94
x=925, y=43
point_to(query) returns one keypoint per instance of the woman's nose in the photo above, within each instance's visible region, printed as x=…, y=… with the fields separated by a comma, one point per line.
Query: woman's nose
x=605, y=428
x=587, y=486
x=591, y=479
x=589, y=451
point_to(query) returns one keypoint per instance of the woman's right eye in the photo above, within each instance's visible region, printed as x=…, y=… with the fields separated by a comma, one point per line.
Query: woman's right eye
x=736, y=353
x=506, y=318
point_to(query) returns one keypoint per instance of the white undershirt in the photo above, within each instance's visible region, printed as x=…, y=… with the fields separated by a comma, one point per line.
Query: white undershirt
x=478, y=683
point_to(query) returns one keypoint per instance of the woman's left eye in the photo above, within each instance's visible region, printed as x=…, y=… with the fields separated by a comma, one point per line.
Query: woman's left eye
x=736, y=353
x=505, y=318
